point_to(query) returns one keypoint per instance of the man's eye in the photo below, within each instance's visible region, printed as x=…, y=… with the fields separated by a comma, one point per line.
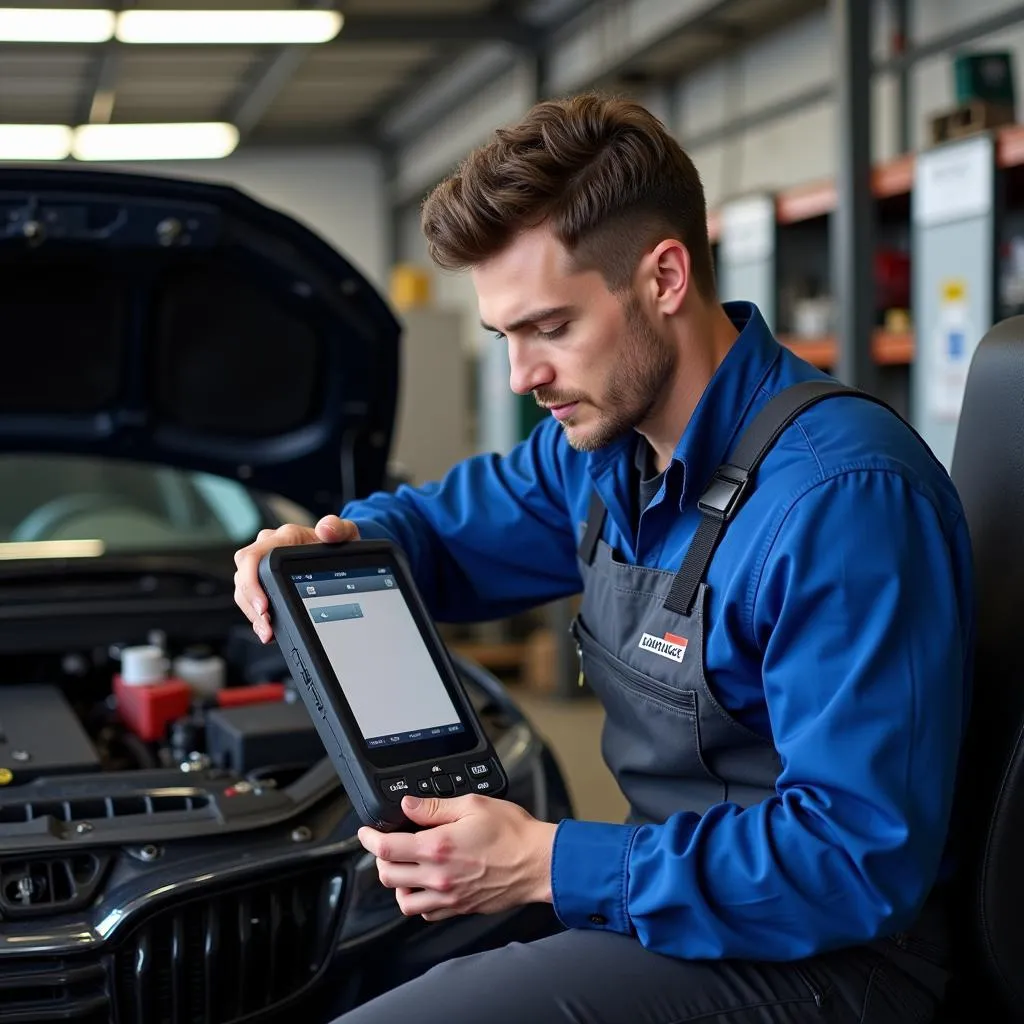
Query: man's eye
x=498, y=336
x=555, y=332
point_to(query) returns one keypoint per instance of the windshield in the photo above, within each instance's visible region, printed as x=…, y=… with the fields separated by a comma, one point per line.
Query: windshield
x=67, y=505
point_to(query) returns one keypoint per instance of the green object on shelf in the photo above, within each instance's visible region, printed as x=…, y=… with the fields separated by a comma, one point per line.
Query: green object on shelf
x=984, y=76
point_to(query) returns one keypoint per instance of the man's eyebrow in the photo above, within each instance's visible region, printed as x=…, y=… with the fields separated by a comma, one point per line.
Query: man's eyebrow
x=536, y=317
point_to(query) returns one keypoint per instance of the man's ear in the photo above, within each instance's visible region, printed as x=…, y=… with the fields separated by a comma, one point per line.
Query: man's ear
x=669, y=264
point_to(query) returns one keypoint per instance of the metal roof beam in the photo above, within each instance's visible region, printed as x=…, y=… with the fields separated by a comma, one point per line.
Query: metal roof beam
x=263, y=86
x=307, y=137
x=608, y=44
x=96, y=104
x=434, y=28
x=431, y=97
x=1012, y=16
x=375, y=121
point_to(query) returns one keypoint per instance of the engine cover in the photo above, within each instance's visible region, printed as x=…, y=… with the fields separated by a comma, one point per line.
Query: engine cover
x=40, y=736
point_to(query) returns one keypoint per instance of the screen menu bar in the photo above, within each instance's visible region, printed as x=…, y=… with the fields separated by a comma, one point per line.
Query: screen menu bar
x=347, y=574
x=341, y=587
x=418, y=734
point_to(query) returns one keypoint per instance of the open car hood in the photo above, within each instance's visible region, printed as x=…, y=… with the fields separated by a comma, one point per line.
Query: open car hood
x=187, y=324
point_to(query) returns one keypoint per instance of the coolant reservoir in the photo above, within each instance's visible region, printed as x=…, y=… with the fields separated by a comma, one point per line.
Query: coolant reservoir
x=205, y=673
x=143, y=665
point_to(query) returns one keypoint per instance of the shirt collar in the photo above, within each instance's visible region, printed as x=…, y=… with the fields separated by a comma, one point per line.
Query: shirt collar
x=722, y=411
x=726, y=404
x=643, y=458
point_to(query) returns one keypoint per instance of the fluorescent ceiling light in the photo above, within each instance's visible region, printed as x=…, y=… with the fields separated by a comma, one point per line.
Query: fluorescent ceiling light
x=200, y=141
x=226, y=27
x=34, y=141
x=50, y=25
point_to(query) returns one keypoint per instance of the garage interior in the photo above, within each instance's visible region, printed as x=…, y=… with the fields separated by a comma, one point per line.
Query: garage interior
x=822, y=131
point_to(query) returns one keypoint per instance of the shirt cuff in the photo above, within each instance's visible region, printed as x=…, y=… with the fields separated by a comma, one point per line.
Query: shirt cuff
x=589, y=868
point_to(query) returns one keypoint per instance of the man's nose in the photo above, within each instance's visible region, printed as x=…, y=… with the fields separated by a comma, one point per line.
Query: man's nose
x=526, y=373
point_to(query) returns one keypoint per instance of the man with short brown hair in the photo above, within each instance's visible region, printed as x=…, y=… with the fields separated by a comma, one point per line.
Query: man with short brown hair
x=777, y=616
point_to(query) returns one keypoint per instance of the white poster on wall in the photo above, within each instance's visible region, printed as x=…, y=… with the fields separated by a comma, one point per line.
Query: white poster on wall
x=748, y=229
x=954, y=181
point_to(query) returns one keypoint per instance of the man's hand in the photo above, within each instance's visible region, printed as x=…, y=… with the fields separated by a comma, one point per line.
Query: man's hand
x=477, y=855
x=249, y=594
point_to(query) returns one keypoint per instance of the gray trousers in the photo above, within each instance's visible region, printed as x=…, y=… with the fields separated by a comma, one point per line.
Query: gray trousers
x=585, y=977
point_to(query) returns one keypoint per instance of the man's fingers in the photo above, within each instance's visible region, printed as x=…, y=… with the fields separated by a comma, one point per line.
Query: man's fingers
x=252, y=603
x=249, y=594
x=400, y=847
x=432, y=810
x=412, y=876
x=415, y=902
x=334, y=530
x=441, y=915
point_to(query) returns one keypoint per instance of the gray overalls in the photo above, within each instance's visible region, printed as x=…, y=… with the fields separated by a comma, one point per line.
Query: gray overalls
x=671, y=746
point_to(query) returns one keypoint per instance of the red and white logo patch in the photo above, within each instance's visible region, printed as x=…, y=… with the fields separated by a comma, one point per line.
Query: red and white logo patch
x=670, y=646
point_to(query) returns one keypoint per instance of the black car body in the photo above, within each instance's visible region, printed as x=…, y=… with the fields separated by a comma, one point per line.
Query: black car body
x=183, y=366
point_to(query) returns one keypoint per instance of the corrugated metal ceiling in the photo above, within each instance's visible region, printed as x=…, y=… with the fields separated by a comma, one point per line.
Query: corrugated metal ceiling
x=339, y=91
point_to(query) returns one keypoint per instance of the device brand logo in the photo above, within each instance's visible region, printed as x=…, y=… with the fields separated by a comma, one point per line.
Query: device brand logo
x=670, y=646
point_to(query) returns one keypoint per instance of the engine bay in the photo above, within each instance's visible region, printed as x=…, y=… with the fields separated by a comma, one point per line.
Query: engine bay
x=149, y=706
x=127, y=749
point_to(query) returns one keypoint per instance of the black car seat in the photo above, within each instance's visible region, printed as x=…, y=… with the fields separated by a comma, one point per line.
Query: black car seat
x=988, y=470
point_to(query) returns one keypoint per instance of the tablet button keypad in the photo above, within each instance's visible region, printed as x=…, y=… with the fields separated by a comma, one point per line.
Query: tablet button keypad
x=443, y=785
x=395, y=788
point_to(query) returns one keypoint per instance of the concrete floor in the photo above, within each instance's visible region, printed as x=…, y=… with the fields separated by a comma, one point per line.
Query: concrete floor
x=573, y=730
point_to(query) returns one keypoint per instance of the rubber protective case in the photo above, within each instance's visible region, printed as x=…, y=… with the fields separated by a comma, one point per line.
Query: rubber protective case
x=320, y=689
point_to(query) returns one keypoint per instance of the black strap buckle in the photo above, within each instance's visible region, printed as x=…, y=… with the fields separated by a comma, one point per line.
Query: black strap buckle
x=722, y=496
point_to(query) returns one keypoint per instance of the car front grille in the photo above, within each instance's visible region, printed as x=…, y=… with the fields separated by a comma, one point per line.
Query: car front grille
x=205, y=961
x=44, y=992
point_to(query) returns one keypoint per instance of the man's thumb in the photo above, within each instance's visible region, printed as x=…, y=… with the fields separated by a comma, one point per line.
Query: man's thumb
x=431, y=811
x=332, y=530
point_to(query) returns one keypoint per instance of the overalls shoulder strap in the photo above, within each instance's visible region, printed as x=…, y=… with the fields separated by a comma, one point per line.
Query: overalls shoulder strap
x=595, y=524
x=732, y=482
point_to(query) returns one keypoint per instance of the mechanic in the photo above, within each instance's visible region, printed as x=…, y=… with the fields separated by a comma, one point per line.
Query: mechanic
x=785, y=720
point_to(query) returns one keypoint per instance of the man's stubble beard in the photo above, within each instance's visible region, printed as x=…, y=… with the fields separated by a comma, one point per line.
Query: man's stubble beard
x=635, y=385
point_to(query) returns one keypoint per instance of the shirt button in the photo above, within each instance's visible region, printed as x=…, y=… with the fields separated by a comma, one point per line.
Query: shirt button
x=598, y=919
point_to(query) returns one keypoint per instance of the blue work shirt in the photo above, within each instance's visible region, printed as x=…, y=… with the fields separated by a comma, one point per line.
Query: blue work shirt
x=840, y=623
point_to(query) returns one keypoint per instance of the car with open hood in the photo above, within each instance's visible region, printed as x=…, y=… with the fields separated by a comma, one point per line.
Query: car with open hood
x=182, y=367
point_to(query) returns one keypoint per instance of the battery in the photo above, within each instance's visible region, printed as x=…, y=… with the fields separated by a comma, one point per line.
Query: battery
x=253, y=736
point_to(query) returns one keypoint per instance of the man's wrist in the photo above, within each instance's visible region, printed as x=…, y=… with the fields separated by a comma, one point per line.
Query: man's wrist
x=544, y=845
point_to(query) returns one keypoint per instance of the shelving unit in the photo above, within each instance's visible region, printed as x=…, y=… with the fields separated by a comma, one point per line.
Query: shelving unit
x=889, y=348
x=807, y=208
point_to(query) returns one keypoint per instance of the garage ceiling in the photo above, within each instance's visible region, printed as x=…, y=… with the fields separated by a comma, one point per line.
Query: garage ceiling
x=338, y=92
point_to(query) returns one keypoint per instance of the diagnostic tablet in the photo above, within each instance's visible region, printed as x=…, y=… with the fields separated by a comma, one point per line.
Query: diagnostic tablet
x=376, y=677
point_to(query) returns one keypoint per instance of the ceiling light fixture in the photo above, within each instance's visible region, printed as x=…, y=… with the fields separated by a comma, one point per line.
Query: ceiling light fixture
x=51, y=25
x=130, y=142
x=34, y=141
x=158, y=27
